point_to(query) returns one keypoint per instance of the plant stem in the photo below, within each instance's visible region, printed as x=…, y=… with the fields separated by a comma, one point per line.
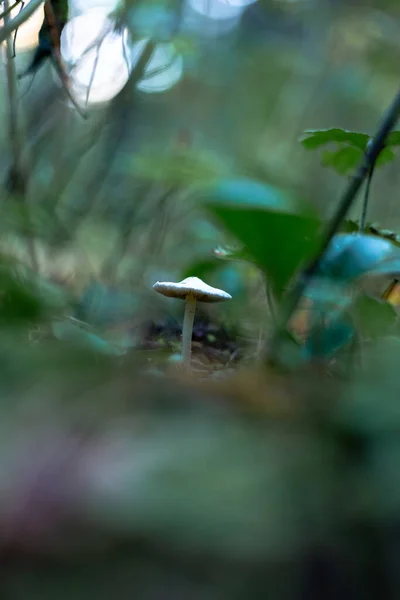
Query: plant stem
x=9, y=9
x=366, y=198
x=54, y=31
x=187, y=331
x=19, y=170
x=374, y=148
x=11, y=25
x=14, y=130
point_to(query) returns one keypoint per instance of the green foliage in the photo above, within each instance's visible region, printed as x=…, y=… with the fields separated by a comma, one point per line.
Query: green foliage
x=350, y=226
x=278, y=232
x=350, y=147
x=351, y=256
x=26, y=297
x=112, y=468
x=178, y=167
x=77, y=334
x=329, y=337
x=315, y=138
x=100, y=305
x=374, y=317
x=385, y=233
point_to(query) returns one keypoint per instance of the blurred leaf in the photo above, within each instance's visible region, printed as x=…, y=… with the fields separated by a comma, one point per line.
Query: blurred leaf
x=230, y=279
x=314, y=138
x=279, y=232
x=393, y=139
x=385, y=233
x=349, y=226
x=18, y=302
x=389, y=267
x=70, y=331
x=102, y=305
x=374, y=317
x=26, y=296
x=343, y=160
x=178, y=167
x=97, y=241
x=371, y=404
x=14, y=218
x=289, y=351
x=325, y=292
x=350, y=256
x=328, y=338
x=385, y=156
x=351, y=144
x=200, y=485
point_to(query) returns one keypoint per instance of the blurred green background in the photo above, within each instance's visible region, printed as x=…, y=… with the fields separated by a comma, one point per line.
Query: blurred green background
x=119, y=478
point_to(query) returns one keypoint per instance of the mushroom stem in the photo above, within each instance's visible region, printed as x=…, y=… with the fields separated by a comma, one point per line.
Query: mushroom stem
x=187, y=331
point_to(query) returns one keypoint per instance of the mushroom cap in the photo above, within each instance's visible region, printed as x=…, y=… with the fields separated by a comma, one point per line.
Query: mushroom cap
x=192, y=286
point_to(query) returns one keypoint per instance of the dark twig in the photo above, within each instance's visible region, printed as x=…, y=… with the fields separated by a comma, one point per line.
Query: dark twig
x=373, y=150
x=366, y=199
x=93, y=74
x=54, y=31
x=16, y=32
x=18, y=181
x=10, y=9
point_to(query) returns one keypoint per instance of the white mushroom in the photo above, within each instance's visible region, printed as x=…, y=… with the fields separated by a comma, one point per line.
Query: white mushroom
x=191, y=289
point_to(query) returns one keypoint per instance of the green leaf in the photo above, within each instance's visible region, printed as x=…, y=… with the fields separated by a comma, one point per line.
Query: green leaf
x=393, y=139
x=178, y=167
x=26, y=296
x=289, y=353
x=342, y=160
x=350, y=256
x=72, y=332
x=328, y=295
x=374, y=317
x=327, y=339
x=349, y=226
x=351, y=144
x=314, y=138
x=279, y=232
x=385, y=157
x=103, y=305
x=389, y=267
x=387, y=234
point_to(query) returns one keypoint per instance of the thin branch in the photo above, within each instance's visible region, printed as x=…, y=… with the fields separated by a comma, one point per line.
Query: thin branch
x=16, y=31
x=14, y=129
x=373, y=150
x=366, y=199
x=51, y=21
x=19, y=171
x=93, y=73
x=19, y=20
x=9, y=9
